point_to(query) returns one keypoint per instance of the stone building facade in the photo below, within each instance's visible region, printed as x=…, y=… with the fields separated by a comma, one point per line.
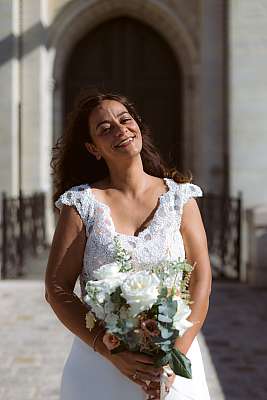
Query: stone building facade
x=217, y=47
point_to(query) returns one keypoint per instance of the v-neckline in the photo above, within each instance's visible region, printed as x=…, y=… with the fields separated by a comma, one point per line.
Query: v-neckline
x=151, y=221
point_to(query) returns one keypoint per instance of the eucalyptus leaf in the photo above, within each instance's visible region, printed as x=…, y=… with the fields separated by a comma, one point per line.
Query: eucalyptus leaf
x=172, y=307
x=165, y=333
x=164, y=318
x=180, y=364
x=164, y=292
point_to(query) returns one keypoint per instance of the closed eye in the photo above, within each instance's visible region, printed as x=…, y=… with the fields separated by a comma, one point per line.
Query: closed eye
x=105, y=129
x=126, y=119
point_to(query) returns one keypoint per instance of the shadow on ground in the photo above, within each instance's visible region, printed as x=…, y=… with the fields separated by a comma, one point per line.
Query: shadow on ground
x=236, y=334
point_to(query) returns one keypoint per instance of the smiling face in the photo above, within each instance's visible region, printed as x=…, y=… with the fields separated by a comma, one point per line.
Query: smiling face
x=114, y=132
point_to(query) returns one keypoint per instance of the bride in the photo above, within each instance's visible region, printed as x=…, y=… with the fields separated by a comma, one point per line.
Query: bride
x=110, y=181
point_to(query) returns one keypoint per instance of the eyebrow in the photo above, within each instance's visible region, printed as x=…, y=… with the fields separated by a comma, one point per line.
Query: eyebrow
x=105, y=121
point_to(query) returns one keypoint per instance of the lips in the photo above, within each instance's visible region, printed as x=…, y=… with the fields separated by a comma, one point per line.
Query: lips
x=125, y=141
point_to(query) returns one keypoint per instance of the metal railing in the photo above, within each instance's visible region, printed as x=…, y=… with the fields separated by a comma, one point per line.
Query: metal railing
x=222, y=219
x=23, y=231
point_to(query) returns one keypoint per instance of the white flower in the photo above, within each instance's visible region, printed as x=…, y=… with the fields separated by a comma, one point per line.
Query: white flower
x=140, y=290
x=180, y=321
x=108, y=306
x=103, y=288
x=97, y=308
x=173, y=279
x=107, y=271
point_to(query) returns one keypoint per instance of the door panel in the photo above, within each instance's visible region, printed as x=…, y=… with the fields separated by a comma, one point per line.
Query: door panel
x=126, y=56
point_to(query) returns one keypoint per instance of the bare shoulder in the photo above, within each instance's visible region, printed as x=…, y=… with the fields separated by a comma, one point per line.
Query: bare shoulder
x=100, y=189
x=157, y=184
x=191, y=217
x=69, y=219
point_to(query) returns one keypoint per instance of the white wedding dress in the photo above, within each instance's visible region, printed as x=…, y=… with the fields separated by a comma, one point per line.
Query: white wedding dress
x=87, y=375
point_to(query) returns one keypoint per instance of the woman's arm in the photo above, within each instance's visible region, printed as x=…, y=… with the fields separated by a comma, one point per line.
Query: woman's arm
x=64, y=266
x=196, y=250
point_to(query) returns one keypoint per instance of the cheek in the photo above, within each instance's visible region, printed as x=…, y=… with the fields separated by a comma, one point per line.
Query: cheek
x=135, y=126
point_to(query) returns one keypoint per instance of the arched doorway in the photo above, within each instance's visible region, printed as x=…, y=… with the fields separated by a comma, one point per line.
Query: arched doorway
x=127, y=56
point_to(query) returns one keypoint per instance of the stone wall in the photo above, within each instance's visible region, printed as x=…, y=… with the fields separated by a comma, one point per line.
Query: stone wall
x=248, y=104
x=248, y=99
x=9, y=99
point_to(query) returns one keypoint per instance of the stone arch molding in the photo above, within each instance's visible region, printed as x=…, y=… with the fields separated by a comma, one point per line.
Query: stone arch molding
x=78, y=17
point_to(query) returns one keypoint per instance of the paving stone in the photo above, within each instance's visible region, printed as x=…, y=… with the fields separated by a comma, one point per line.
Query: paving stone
x=236, y=334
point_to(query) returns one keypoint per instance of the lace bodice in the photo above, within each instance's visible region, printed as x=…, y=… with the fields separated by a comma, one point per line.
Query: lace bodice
x=160, y=240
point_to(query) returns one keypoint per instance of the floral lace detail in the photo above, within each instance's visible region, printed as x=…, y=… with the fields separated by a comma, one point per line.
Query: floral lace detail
x=77, y=197
x=160, y=240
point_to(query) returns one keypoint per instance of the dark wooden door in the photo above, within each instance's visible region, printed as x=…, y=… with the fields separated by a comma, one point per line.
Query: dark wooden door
x=128, y=57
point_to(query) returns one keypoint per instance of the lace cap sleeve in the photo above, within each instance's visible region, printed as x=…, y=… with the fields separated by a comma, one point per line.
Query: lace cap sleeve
x=190, y=190
x=79, y=198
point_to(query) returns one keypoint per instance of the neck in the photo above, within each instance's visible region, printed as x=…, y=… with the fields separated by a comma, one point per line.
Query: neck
x=130, y=178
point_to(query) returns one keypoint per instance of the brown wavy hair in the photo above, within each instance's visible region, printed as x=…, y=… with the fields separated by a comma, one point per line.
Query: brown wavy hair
x=73, y=165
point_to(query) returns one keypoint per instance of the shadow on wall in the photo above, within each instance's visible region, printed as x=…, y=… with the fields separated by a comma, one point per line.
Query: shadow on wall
x=29, y=41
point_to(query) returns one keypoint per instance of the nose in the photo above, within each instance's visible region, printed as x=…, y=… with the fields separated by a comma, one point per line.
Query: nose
x=120, y=130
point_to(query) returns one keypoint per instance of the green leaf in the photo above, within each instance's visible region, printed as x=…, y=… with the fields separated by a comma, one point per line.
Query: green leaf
x=175, y=335
x=164, y=292
x=120, y=348
x=180, y=364
x=172, y=307
x=116, y=296
x=163, y=360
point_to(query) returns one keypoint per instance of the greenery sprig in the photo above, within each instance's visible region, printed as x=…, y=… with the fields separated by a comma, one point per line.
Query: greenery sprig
x=122, y=257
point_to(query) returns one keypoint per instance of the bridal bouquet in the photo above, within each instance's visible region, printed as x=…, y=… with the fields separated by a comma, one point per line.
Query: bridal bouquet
x=143, y=310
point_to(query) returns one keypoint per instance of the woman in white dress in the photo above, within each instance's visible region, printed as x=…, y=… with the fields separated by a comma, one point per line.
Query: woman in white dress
x=110, y=181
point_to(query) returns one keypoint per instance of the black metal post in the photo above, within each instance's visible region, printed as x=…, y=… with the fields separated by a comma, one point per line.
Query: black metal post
x=4, y=238
x=21, y=235
x=239, y=234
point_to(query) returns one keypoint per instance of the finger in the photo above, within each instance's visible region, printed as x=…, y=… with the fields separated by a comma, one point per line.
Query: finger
x=170, y=381
x=144, y=376
x=152, y=393
x=144, y=359
x=136, y=380
x=155, y=393
x=149, y=369
x=154, y=385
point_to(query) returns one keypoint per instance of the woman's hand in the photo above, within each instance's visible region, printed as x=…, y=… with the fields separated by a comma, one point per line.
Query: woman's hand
x=137, y=367
x=153, y=388
x=140, y=369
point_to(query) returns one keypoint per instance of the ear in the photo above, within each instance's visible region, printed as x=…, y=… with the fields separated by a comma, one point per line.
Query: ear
x=92, y=150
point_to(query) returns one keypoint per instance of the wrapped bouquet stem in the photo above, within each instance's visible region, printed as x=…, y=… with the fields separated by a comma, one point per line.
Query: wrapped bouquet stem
x=143, y=310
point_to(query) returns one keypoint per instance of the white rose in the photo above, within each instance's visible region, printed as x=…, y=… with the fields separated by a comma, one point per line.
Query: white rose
x=140, y=290
x=107, y=271
x=106, y=287
x=180, y=321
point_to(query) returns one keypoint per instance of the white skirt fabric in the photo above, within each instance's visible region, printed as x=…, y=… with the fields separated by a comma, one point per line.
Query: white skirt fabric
x=89, y=376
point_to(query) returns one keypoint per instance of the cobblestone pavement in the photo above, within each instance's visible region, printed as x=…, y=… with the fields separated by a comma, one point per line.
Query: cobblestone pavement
x=34, y=344
x=236, y=334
